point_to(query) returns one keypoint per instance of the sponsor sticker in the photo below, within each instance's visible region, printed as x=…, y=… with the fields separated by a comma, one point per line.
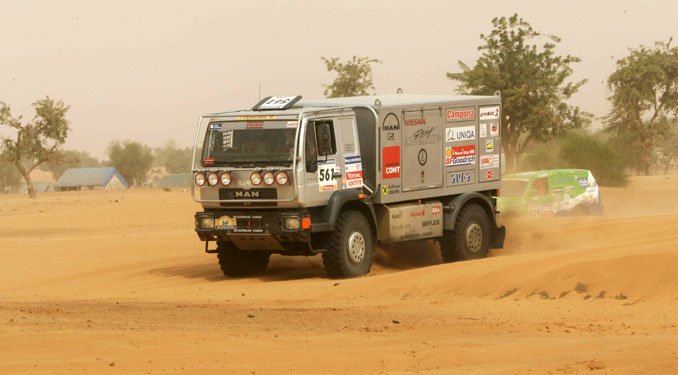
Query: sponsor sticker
x=353, y=171
x=423, y=136
x=291, y=124
x=583, y=182
x=460, y=114
x=391, y=162
x=489, y=161
x=415, y=121
x=391, y=123
x=436, y=210
x=489, y=174
x=461, y=133
x=255, y=124
x=460, y=155
x=255, y=118
x=461, y=178
x=494, y=129
x=215, y=126
x=489, y=113
x=489, y=145
x=483, y=130
x=326, y=170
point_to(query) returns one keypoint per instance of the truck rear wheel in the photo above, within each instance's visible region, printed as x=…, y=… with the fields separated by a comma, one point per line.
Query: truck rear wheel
x=470, y=238
x=238, y=263
x=349, y=251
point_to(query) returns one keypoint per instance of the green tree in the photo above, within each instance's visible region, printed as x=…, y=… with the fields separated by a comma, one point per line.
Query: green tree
x=532, y=80
x=70, y=159
x=354, y=77
x=37, y=141
x=174, y=159
x=10, y=179
x=644, y=100
x=132, y=159
x=584, y=150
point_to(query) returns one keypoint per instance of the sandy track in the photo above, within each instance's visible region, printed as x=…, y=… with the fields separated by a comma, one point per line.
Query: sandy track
x=118, y=283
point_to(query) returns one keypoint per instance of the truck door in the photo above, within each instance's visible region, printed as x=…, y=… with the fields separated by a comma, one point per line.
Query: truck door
x=422, y=150
x=331, y=158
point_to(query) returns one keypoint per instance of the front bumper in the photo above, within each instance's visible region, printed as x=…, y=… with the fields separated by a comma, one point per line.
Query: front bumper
x=255, y=230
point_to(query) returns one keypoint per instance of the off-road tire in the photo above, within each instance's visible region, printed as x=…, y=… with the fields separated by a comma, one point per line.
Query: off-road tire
x=349, y=248
x=238, y=263
x=470, y=238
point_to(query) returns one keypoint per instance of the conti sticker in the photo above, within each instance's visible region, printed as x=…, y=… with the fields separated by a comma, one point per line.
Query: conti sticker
x=460, y=155
x=353, y=171
x=326, y=170
x=391, y=162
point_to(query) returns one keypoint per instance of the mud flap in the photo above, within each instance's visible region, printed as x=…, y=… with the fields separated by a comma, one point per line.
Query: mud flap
x=498, y=236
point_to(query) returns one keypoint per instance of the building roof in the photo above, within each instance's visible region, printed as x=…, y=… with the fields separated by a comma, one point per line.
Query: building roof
x=74, y=177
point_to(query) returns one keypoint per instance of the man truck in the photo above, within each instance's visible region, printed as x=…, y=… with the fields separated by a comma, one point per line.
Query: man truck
x=340, y=176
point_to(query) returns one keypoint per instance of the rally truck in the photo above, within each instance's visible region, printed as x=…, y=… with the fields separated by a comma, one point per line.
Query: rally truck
x=341, y=176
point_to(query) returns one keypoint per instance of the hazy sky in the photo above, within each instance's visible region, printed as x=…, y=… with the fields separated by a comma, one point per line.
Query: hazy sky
x=146, y=70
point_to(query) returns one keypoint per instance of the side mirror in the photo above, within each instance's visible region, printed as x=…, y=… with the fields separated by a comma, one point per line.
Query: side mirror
x=324, y=139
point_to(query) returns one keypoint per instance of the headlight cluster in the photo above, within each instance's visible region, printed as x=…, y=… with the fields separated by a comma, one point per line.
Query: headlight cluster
x=213, y=178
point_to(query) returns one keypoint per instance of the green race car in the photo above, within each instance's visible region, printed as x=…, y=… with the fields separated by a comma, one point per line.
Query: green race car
x=550, y=192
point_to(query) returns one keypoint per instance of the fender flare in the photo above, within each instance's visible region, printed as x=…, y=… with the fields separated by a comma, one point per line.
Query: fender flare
x=328, y=216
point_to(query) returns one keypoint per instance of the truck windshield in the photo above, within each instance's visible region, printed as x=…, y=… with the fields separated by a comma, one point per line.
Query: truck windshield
x=513, y=188
x=248, y=147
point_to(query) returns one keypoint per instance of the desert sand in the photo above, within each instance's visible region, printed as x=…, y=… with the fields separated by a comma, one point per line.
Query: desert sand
x=107, y=282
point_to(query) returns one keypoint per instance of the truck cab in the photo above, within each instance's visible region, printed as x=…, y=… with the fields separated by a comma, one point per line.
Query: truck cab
x=338, y=176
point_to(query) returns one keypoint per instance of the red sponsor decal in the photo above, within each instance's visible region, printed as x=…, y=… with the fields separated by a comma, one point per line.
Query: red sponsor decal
x=354, y=175
x=255, y=124
x=415, y=121
x=391, y=162
x=463, y=114
x=464, y=150
x=421, y=213
x=489, y=174
x=435, y=210
x=208, y=161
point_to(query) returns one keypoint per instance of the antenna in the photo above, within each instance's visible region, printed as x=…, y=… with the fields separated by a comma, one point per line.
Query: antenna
x=259, y=90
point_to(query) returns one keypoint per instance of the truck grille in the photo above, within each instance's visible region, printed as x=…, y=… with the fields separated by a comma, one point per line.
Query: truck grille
x=249, y=194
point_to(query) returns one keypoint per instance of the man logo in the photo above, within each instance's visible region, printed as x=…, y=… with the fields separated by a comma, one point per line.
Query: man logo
x=246, y=194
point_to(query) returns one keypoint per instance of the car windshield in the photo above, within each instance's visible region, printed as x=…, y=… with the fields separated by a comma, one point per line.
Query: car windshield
x=513, y=188
x=254, y=147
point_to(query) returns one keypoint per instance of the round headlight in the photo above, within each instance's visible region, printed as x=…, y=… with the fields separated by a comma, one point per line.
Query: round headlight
x=269, y=178
x=225, y=178
x=199, y=179
x=281, y=178
x=212, y=179
x=255, y=178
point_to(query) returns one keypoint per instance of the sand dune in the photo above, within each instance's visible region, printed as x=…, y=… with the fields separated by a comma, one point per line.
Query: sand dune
x=117, y=282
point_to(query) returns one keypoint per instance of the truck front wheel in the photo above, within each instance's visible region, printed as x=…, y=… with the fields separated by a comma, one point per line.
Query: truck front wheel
x=470, y=238
x=349, y=250
x=238, y=263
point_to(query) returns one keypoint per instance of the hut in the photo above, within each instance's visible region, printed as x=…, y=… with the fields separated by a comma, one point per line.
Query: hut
x=91, y=178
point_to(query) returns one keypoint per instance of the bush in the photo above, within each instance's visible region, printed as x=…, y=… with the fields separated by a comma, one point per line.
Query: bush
x=586, y=151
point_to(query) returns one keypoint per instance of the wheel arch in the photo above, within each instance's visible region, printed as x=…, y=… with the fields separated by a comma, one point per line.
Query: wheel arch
x=454, y=205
